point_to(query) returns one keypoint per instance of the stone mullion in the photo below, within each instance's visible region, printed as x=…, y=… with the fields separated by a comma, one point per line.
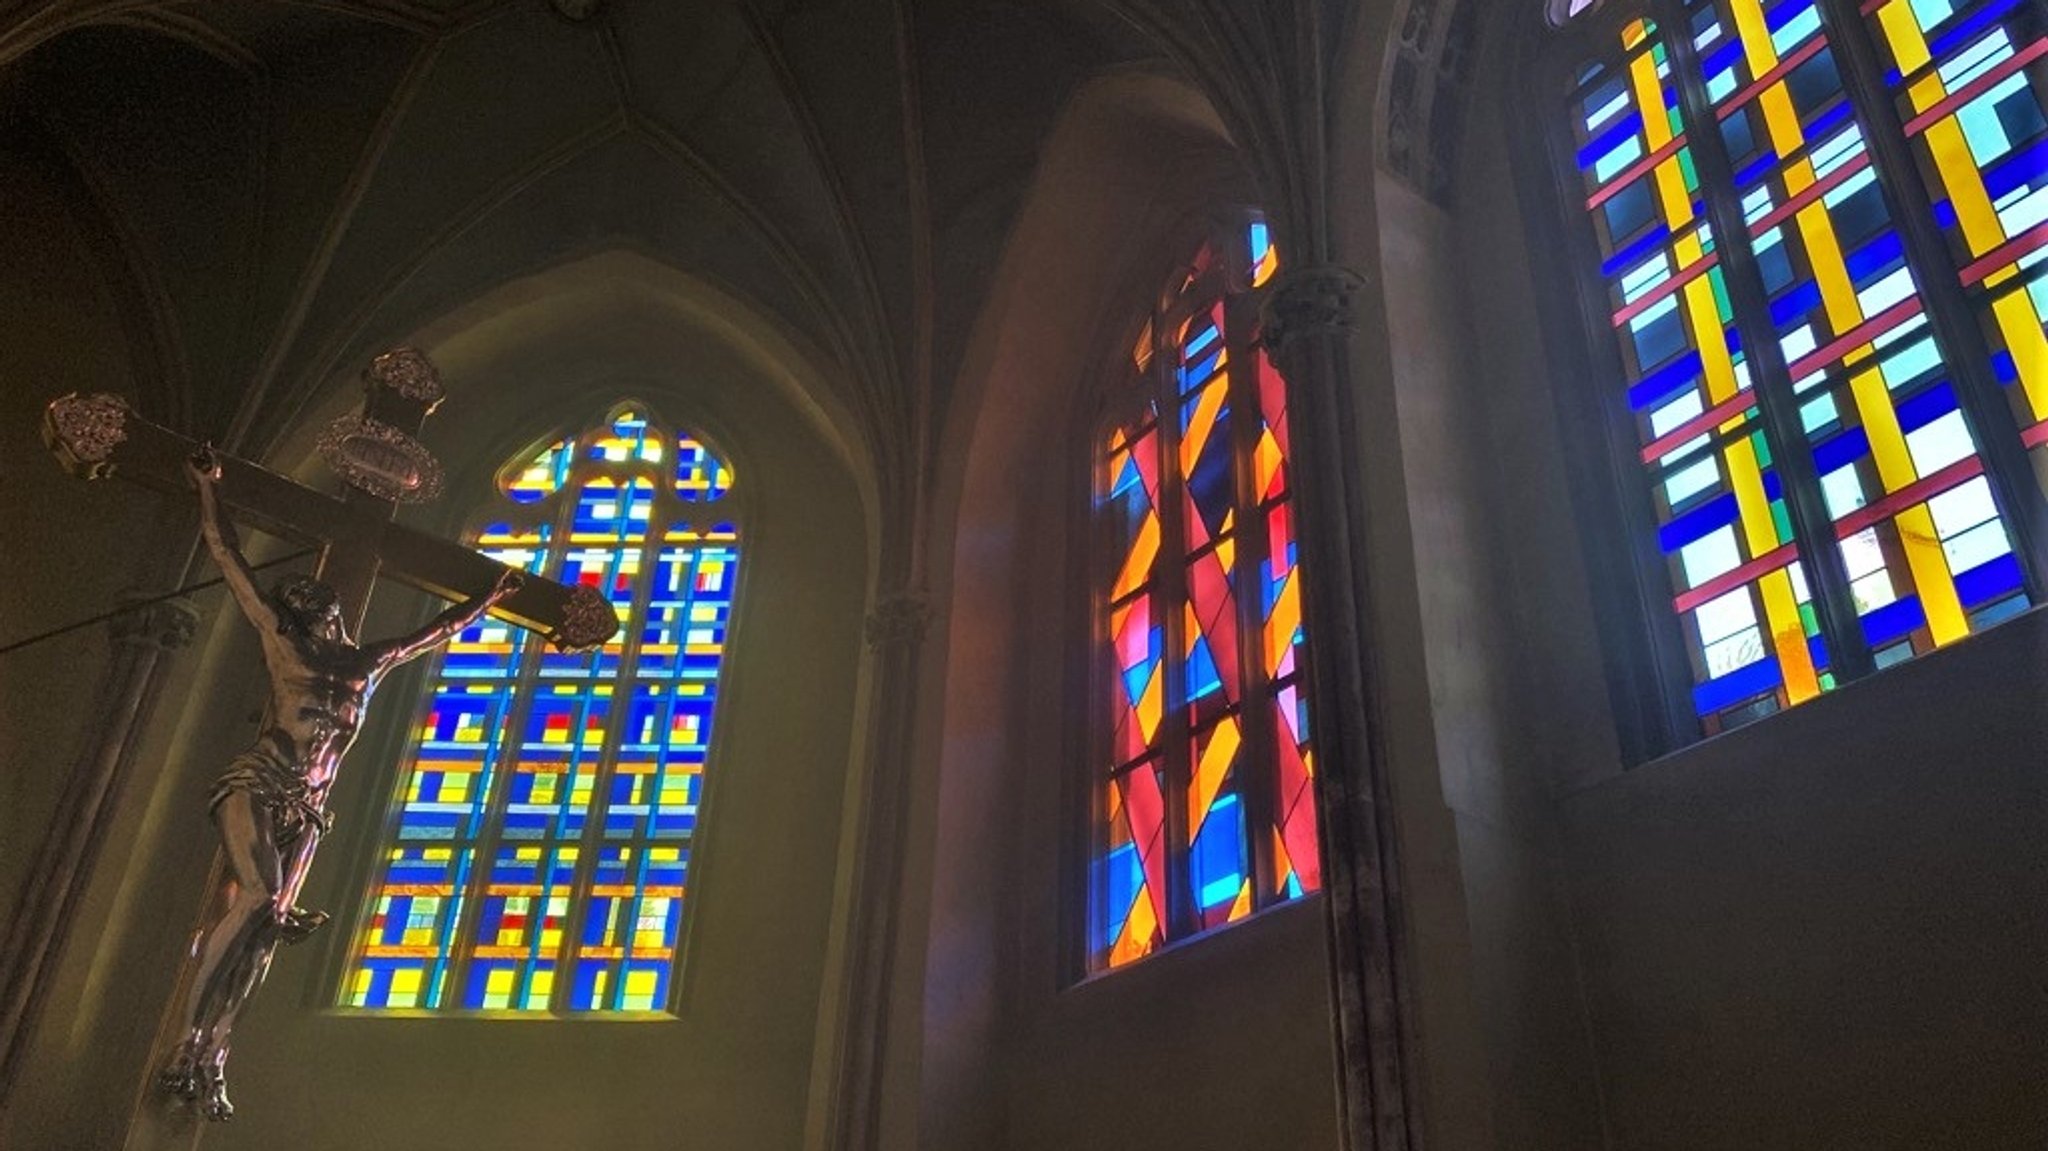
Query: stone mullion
x=1257, y=762
x=525, y=685
x=1813, y=527
x=661, y=512
x=1170, y=589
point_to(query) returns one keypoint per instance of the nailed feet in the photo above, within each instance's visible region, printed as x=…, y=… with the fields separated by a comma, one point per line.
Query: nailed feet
x=199, y=1079
x=299, y=923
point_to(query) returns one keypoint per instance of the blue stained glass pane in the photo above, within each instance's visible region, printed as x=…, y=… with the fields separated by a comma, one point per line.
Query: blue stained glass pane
x=1725, y=691
x=1989, y=580
x=1900, y=617
x=1202, y=677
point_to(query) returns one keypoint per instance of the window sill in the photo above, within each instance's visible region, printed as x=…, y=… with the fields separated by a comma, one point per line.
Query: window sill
x=1219, y=945
x=1900, y=695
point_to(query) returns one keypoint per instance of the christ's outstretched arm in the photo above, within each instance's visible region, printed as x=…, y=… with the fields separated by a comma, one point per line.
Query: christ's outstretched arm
x=448, y=624
x=220, y=539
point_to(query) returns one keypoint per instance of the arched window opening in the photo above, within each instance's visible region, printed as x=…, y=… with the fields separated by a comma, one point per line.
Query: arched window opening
x=1817, y=232
x=538, y=850
x=1203, y=810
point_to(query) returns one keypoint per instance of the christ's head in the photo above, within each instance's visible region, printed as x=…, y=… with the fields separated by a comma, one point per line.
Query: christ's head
x=308, y=606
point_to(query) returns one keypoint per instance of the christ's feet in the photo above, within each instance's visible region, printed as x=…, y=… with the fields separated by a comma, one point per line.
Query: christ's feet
x=298, y=924
x=213, y=1093
x=180, y=1074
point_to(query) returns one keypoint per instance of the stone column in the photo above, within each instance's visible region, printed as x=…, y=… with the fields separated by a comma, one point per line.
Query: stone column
x=143, y=641
x=895, y=633
x=1306, y=317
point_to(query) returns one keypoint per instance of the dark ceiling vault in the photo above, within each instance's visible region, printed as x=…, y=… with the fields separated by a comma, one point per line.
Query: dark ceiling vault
x=296, y=183
x=305, y=180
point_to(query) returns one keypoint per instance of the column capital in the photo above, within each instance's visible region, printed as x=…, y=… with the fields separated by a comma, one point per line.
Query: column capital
x=163, y=624
x=898, y=618
x=1306, y=303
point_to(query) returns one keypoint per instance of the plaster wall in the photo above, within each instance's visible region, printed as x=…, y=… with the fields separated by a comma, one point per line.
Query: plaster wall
x=1504, y=1037
x=72, y=548
x=1824, y=929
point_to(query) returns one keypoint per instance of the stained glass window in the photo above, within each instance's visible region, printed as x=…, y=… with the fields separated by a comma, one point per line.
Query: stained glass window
x=1204, y=809
x=1818, y=235
x=538, y=850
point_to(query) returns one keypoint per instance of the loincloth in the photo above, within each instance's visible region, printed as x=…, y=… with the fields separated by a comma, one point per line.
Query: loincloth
x=273, y=780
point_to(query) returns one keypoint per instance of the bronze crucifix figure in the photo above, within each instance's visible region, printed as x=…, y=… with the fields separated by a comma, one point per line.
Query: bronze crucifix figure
x=269, y=807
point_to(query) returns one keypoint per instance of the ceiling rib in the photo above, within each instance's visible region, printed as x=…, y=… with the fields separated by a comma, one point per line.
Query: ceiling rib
x=314, y=273
x=875, y=307
x=323, y=364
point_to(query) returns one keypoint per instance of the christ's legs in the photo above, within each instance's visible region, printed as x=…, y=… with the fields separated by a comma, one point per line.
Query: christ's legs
x=229, y=948
x=242, y=978
x=296, y=923
x=249, y=966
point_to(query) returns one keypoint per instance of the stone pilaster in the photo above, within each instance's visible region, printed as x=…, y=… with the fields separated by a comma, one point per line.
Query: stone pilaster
x=1308, y=316
x=144, y=639
x=894, y=632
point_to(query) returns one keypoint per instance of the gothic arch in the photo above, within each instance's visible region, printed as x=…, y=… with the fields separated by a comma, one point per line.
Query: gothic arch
x=1135, y=159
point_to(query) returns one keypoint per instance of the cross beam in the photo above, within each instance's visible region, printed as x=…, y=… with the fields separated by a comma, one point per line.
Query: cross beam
x=97, y=436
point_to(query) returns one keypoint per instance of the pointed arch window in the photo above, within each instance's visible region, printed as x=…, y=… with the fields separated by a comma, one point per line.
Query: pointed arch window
x=537, y=853
x=1813, y=236
x=1202, y=806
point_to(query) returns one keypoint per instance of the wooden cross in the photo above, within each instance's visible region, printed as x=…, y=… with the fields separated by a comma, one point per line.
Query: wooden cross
x=384, y=465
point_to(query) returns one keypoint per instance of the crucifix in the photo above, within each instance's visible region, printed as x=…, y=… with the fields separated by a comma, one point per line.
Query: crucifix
x=269, y=807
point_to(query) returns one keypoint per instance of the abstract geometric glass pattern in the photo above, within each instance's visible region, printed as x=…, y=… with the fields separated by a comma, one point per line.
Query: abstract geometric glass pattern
x=1833, y=474
x=539, y=844
x=1205, y=810
x=1971, y=83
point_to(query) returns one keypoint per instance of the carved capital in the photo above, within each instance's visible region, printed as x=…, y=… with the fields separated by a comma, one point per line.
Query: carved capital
x=164, y=624
x=374, y=457
x=1307, y=303
x=408, y=372
x=588, y=619
x=898, y=619
x=83, y=431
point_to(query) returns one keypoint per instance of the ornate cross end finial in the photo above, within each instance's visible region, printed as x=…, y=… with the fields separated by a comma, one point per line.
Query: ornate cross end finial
x=1305, y=302
x=84, y=430
x=408, y=372
x=898, y=619
x=588, y=619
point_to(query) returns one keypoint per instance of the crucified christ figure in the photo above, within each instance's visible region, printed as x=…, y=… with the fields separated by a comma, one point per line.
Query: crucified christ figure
x=270, y=806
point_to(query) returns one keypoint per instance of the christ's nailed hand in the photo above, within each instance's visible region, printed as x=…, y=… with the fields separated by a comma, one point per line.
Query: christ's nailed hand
x=205, y=464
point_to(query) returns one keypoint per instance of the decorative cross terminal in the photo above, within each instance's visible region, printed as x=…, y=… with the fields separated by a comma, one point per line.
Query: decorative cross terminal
x=269, y=807
x=95, y=436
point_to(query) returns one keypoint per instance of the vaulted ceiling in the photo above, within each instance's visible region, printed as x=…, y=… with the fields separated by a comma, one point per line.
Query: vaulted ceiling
x=290, y=185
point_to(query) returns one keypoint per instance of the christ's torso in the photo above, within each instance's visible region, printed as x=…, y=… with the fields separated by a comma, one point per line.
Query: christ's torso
x=319, y=691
